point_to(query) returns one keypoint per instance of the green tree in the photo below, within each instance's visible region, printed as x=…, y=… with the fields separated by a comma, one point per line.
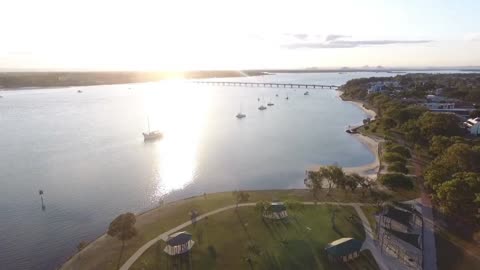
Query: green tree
x=332, y=175
x=432, y=124
x=123, y=228
x=396, y=181
x=240, y=197
x=398, y=167
x=391, y=157
x=459, y=195
x=459, y=157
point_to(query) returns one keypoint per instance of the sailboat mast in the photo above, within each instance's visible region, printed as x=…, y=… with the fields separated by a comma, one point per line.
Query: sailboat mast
x=148, y=123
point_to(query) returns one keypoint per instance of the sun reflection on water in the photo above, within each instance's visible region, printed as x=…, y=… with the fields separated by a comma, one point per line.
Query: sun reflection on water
x=180, y=113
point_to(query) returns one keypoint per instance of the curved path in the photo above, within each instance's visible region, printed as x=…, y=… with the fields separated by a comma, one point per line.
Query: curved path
x=164, y=236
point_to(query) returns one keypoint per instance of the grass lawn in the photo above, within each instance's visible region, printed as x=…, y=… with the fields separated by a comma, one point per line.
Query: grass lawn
x=104, y=252
x=454, y=256
x=228, y=239
x=370, y=214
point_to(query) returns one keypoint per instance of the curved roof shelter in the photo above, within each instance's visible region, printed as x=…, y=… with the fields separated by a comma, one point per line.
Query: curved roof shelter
x=276, y=210
x=343, y=247
x=179, y=243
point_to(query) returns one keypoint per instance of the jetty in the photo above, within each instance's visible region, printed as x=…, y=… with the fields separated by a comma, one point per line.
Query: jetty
x=266, y=84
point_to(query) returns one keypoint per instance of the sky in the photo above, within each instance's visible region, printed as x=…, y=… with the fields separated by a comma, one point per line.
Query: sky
x=227, y=34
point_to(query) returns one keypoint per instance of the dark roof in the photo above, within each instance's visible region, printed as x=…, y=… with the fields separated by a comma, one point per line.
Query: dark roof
x=277, y=207
x=410, y=238
x=400, y=216
x=179, y=238
x=407, y=206
x=343, y=246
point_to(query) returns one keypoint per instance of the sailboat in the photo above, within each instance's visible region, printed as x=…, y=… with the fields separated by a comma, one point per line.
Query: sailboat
x=306, y=93
x=241, y=115
x=286, y=97
x=151, y=135
x=270, y=103
x=79, y=91
x=262, y=107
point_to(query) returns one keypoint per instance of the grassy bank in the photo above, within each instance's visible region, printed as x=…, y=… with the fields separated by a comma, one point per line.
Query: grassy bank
x=242, y=239
x=104, y=252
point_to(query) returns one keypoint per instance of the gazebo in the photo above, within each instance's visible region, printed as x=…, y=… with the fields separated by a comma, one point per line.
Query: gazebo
x=343, y=249
x=276, y=210
x=179, y=243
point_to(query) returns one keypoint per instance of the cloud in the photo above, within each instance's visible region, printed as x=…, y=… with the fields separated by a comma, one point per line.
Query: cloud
x=336, y=43
x=300, y=36
x=472, y=37
x=334, y=37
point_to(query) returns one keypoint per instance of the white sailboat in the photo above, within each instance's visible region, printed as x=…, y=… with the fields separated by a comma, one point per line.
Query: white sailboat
x=151, y=135
x=241, y=115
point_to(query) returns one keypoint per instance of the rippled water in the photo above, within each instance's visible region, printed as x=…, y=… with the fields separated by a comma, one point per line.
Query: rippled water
x=87, y=153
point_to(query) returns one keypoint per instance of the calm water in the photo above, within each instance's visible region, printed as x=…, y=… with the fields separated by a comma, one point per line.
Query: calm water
x=87, y=153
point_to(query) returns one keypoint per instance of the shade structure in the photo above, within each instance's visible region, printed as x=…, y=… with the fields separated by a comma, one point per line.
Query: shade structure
x=179, y=243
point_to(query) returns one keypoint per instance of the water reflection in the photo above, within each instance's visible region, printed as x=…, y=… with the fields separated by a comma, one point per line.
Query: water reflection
x=180, y=112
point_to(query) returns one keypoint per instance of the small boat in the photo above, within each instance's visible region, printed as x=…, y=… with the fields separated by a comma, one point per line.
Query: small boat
x=270, y=104
x=241, y=115
x=79, y=91
x=261, y=108
x=151, y=135
x=286, y=98
x=258, y=99
x=306, y=93
x=276, y=95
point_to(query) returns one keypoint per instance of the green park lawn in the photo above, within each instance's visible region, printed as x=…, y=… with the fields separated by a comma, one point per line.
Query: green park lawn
x=104, y=253
x=226, y=241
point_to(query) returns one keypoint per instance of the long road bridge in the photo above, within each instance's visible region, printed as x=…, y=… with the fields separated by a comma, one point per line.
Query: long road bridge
x=267, y=84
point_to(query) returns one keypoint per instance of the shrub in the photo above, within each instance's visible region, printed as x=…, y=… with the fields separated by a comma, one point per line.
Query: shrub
x=391, y=157
x=395, y=148
x=294, y=205
x=396, y=180
x=398, y=167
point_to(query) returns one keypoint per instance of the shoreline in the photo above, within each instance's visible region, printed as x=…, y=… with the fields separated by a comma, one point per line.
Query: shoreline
x=371, y=169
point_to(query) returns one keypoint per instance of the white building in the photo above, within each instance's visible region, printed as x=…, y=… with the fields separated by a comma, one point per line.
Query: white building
x=439, y=106
x=473, y=126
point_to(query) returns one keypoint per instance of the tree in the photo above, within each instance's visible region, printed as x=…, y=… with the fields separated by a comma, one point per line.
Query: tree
x=354, y=180
x=401, y=150
x=332, y=175
x=459, y=195
x=398, y=167
x=313, y=182
x=391, y=157
x=459, y=157
x=294, y=205
x=396, y=180
x=123, y=228
x=411, y=131
x=261, y=206
x=432, y=124
x=240, y=197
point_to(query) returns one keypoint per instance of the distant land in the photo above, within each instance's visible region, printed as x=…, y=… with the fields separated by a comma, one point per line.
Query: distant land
x=40, y=79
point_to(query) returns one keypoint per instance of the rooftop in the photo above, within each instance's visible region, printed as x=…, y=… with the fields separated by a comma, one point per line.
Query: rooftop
x=343, y=246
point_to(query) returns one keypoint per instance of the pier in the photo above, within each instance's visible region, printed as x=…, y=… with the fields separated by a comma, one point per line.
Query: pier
x=267, y=84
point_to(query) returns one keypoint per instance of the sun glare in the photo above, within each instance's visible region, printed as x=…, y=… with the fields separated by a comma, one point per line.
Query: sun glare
x=180, y=113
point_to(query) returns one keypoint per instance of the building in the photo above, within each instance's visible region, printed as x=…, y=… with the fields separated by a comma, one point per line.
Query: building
x=276, y=210
x=399, y=233
x=343, y=249
x=179, y=243
x=473, y=126
x=439, y=106
x=377, y=87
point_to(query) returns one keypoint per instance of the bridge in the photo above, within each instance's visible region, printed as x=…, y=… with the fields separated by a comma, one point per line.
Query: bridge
x=266, y=84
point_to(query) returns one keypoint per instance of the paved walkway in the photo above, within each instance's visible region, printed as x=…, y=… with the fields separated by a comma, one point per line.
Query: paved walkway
x=164, y=236
x=429, y=248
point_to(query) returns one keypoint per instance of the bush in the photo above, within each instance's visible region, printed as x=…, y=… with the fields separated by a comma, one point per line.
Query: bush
x=396, y=180
x=391, y=157
x=398, y=167
x=395, y=148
